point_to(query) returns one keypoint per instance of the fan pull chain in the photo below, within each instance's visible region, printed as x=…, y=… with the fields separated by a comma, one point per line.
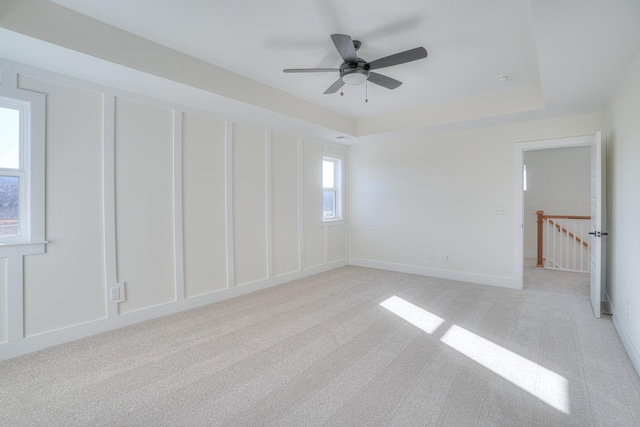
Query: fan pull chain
x=366, y=92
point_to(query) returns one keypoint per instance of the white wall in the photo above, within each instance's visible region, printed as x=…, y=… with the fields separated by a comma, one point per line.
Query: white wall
x=623, y=158
x=144, y=203
x=249, y=205
x=204, y=206
x=285, y=188
x=437, y=194
x=184, y=207
x=558, y=182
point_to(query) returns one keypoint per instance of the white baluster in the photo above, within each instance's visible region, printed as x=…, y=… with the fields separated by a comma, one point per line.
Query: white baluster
x=554, y=246
x=575, y=243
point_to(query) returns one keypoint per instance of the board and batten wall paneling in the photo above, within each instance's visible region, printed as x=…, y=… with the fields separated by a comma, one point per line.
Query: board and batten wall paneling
x=204, y=205
x=284, y=203
x=3, y=300
x=314, y=241
x=66, y=285
x=144, y=204
x=249, y=205
x=122, y=172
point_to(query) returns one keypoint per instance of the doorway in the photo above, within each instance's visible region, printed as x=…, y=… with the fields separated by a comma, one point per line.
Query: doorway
x=597, y=211
x=520, y=149
x=557, y=182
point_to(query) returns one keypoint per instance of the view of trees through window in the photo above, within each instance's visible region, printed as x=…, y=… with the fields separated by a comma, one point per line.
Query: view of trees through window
x=9, y=205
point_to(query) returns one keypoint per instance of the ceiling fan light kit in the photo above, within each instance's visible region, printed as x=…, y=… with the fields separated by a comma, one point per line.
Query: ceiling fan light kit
x=355, y=71
x=354, y=76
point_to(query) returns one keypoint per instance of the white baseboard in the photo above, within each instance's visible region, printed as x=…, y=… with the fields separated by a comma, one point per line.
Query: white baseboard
x=482, y=279
x=75, y=332
x=625, y=337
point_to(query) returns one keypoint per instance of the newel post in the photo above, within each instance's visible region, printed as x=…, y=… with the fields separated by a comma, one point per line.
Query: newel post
x=540, y=262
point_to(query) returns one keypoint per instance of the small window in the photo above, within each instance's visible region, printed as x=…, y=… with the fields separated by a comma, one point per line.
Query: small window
x=331, y=189
x=12, y=171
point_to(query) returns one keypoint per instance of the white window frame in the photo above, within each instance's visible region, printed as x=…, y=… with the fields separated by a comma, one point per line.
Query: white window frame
x=31, y=168
x=338, y=188
x=21, y=172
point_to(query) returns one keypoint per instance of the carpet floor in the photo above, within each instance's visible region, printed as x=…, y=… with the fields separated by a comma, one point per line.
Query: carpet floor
x=350, y=347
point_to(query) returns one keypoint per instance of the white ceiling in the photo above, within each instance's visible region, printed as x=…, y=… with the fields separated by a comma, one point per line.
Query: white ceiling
x=573, y=51
x=469, y=43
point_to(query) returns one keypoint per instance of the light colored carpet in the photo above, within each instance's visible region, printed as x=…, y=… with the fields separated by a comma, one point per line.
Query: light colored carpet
x=323, y=351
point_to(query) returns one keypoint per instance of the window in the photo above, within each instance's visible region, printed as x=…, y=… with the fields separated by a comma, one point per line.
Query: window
x=12, y=171
x=21, y=167
x=331, y=189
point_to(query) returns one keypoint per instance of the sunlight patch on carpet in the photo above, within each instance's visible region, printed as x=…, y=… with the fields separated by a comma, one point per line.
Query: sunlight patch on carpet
x=540, y=382
x=418, y=317
x=536, y=380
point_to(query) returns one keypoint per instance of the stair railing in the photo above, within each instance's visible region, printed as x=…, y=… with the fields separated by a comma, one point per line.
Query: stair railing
x=563, y=242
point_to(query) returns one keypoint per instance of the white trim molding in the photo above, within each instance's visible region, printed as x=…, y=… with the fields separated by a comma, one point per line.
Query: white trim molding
x=178, y=229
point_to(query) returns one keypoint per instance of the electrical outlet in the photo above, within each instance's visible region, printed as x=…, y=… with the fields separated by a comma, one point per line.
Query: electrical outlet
x=498, y=210
x=628, y=308
x=116, y=293
x=446, y=256
x=432, y=256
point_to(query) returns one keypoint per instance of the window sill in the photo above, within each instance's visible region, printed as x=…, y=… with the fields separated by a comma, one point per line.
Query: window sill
x=22, y=248
x=332, y=222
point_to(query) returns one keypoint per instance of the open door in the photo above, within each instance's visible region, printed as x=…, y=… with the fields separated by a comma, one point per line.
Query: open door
x=597, y=215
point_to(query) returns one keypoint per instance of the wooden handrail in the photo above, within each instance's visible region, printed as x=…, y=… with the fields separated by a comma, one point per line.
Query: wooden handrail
x=563, y=216
x=541, y=219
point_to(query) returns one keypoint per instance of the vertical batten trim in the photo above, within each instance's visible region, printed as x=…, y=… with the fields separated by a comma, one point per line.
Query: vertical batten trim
x=326, y=228
x=178, y=229
x=346, y=205
x=15, y=298
x=300, y=208
x=228, y=135
x=269, y=204
x=109, y=198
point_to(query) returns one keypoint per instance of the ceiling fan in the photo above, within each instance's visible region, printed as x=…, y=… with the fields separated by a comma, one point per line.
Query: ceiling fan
x=355, y=71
